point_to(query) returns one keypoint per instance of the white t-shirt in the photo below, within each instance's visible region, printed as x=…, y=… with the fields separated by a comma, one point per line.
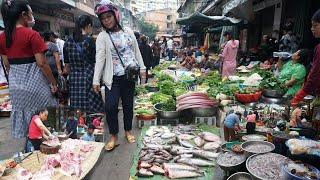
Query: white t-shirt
x=170, y=44
x=60, y=44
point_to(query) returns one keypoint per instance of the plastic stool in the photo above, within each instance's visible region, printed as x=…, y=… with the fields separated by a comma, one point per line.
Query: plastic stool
x=151, y=122
x=169, y=121
x=207, y=120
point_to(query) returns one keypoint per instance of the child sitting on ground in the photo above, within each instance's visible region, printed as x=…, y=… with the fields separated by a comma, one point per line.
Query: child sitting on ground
x=89, y=136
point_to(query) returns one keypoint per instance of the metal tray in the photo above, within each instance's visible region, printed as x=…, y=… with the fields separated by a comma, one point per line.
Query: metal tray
x=235, y=167
x=240, y=175
x=246, y=144
x=166, y=114
x=272, y=93
x=254, y=137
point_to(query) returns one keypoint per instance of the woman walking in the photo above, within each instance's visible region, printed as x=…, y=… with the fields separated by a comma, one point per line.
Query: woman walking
x=79, y=56
x=52, y=54
x=118, y=57
x=30, y=77
x=229, y=55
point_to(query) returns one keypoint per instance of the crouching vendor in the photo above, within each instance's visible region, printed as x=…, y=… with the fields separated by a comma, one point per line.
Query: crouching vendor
x=37, y=130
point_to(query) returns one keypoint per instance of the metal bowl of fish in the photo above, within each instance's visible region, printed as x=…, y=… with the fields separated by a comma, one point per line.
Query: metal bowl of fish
x=254, y=137
x=240, y=176
x=266, y=166
x=166, y=114
x=230, y=161
x=257, y=147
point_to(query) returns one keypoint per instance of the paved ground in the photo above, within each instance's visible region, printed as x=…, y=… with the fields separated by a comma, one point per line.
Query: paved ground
x=114, y=165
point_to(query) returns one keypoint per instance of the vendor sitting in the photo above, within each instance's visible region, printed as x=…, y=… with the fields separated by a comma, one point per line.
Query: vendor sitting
x=231, y=125
x=251, y=123
x=189, y=62
x=205, y=63
x=293, y=73
x=89, y=136
x=71, y=125
x=81, y=119
x=97, y=123
x=37, y=130
x=295, y=119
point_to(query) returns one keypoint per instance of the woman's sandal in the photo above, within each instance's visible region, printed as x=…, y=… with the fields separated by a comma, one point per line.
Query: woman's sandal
x=131, y=139
x=110, y=145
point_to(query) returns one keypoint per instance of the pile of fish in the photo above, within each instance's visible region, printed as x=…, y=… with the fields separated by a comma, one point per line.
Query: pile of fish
x=194, y=100
x=179, y=152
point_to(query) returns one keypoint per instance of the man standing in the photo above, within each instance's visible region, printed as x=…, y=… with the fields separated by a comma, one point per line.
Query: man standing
x=156, y=50
x=170, y=48
x=146, y=54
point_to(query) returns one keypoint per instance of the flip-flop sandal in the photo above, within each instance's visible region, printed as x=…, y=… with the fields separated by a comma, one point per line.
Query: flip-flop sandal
x=131, y=139
x=110, y=145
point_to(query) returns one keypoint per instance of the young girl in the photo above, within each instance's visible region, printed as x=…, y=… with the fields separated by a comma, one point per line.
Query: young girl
x=37, y=130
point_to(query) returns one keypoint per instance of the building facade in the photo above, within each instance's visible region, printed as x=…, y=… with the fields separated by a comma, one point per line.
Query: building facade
x=139, y=6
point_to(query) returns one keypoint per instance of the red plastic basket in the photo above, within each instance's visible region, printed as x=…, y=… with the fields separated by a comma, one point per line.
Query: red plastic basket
x=248, y=98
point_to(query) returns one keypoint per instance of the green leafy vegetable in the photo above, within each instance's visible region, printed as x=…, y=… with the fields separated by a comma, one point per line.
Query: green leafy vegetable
x=159, y=98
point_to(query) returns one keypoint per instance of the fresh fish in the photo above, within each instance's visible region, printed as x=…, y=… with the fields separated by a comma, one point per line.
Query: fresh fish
x=209, y=136
x=143, y=153
x=196, y=162
x=156, y=146
x=150, y=132
x=185, y=143
x=143, y=164
x=179, y=166
x=157, y=170
x=184, y=151
x=171, y=140
x=168, y=135
x=211, y=146
x=147, y=157
x=185, y=137
x=205, y=154
x=160, y=160
x=150, y=160
x=183, y=156
x=180, y=173
x=144, y=173
x=199, y=141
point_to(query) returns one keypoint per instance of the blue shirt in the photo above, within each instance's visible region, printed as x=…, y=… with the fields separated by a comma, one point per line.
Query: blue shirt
x=87, y=137
x=231, y=120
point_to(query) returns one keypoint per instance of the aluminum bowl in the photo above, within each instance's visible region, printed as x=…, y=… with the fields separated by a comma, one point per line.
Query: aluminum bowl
x=223, y=147
x=235, y=167
x=166, y=114
x=247, y=143
x=204, y=112
x=273, y=93
x=240, y=175
x=270, y=100
x=254, y=137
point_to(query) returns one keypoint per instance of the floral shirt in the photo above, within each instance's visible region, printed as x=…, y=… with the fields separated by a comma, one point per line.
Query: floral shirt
x=124, y=44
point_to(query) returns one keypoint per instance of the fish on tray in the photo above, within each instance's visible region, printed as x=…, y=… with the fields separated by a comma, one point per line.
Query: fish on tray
x=196, y=162
x=181, y=173
x=205, y=154
x=209, y=137
x=144, y=173
x=157, y=170
x=167, y=166
x=211, y=146
x=199, y=141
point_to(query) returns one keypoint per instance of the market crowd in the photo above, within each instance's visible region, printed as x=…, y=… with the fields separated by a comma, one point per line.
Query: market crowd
x=45, y=70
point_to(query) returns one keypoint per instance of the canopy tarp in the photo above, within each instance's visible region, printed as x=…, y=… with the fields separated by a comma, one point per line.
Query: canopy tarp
x=239, y=9
x=199, y=19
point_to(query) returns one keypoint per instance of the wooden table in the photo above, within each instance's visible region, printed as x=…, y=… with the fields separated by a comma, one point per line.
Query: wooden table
x=32, y=164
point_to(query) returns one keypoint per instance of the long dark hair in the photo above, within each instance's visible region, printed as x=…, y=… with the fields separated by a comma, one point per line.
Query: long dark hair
x=11, y=11
x=316, y=16
x=81, y=22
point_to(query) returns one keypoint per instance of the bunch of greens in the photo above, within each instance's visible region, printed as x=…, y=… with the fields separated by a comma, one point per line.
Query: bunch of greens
x=180, y=89
x=144, y=111
x=265, y=74
x=169, y=105
x=272, y=83
x=140, y=90
x=161, y=76
x=166, y=87
x=159, y=98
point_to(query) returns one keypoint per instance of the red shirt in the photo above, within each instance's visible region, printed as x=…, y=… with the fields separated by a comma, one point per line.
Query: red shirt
x=312, y=85
x=25, y=43
x=34, y=131
x=81, y=121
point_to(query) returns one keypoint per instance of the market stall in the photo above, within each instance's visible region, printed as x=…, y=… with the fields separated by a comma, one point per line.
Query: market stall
x=185, y=95
x=70, y=159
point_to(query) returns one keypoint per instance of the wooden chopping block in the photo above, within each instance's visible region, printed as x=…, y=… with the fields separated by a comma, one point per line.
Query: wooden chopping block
x=48, y=149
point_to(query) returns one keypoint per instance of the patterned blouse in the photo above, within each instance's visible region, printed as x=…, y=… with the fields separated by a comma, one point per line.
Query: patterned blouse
x=124, y=44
